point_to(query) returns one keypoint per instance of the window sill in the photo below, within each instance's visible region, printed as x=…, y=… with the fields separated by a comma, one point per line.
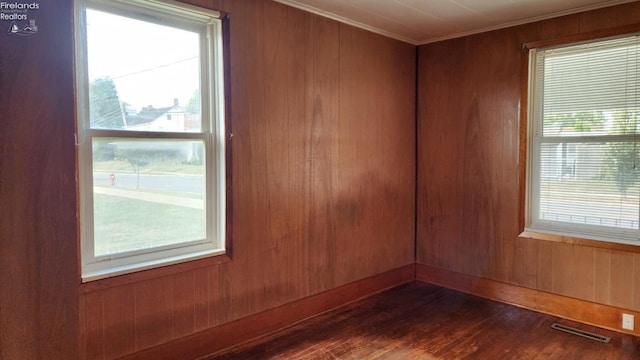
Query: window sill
x=527, y=234
x=153, y=273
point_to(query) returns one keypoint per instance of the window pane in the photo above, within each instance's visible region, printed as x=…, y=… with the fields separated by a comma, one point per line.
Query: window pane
x=592, y=77
x=142, y=76
x=593, y=123
x=147, y=193
x=590, y=183
x=586, y=123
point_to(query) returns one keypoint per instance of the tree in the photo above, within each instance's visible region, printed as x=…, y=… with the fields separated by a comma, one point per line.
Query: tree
x=140, y=154
x=105, y=110
x=194, y=103
x=103, y=151
x=622, y=157
x=137, y=158
x=583, y=121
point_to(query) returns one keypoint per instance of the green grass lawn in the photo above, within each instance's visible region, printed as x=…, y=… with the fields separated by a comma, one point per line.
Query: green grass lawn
x=126, y=224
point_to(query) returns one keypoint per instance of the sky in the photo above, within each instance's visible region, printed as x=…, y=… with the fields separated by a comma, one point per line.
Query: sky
x=150, y=64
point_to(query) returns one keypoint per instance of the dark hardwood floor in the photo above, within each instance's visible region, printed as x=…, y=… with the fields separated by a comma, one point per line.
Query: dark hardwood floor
x=420, y=321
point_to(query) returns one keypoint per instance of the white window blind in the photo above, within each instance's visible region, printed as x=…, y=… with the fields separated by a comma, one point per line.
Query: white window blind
x=583, y=137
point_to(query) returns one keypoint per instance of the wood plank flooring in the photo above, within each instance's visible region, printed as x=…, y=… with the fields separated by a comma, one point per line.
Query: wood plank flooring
x=421, y=321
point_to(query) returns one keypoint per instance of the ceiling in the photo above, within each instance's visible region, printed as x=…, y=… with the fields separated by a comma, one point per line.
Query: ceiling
x=424, y=21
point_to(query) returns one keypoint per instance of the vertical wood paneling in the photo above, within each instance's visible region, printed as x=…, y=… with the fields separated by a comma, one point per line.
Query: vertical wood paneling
x=545, y=266
x=323, y=115
x=524, y=272
x=383, y=149
x=609, y=18
x=563, y=269
x=507, y=150
x=285, y=90
x=119, y=312
x=184, y=312
x=323, y=121
x=462, y=148
x=488, y=117
x=251, y=238
x=602, y=275
x=622, y=281
x=39, y=278
x=584, y=279
x=202, y=283
x=153, y=306
x=636, y=286
x=439, y=212
x=94, y=326
x=221, y=306
x=473, y=85
x=558, y=27
x=353, y=195
x=323, y=175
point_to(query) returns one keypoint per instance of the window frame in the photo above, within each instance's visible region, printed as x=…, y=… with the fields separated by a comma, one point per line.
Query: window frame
x=527, y=109
x=215, y=133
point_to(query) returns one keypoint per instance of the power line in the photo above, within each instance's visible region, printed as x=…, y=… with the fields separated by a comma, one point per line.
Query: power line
x=154, y=68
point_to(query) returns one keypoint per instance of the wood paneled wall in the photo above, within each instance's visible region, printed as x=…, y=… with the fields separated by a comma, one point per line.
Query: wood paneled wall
x=469, y=96
x=323, y=180
x=39, y=275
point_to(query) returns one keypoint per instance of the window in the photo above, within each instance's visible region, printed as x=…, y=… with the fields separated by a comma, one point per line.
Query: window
x=150, y=135
x=584, y=140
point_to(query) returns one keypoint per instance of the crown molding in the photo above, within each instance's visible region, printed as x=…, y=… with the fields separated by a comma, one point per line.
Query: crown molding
x=344, y=20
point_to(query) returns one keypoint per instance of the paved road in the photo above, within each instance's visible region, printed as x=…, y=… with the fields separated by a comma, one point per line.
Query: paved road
x=591, y=210
x=177, y=183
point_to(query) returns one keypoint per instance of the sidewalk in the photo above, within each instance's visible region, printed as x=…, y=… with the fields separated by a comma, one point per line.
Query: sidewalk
x=151, y=197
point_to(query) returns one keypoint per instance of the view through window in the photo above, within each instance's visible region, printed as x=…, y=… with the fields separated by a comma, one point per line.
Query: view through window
x=152, y=148
x=584, y=137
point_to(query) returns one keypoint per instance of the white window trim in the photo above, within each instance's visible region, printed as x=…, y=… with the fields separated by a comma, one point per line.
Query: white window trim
x=209, y=25
x=532, y=190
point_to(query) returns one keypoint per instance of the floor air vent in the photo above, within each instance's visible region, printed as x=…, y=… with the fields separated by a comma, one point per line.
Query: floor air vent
x=586, y=334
